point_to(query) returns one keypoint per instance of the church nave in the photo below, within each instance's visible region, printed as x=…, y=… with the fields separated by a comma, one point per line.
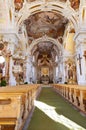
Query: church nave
x=53, y=112
x=43, y=54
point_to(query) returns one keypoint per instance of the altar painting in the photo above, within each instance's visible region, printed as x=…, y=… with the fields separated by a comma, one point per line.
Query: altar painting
x=44, y=71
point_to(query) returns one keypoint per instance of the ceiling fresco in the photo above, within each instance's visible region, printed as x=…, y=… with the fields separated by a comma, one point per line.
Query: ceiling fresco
x=46, y=23
x=49, y=23
x=75, y=4
x=18, y=4
x=45, y=53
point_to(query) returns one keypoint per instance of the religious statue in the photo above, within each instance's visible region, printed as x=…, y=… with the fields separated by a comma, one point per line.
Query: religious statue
x=72, y=78
x=70, y=72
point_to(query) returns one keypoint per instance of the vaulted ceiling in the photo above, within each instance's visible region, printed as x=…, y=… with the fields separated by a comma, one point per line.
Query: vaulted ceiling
x=45, y=23
x=45, y=48
x=48, y=23
x=19, y=3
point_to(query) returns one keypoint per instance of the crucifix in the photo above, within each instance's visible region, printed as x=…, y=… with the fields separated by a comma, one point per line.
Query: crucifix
x=84, y=54
x=79, y=59
x=85, y=62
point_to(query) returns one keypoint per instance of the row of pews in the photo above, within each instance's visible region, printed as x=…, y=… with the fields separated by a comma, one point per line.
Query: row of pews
x=76, y=94
x=16, y=104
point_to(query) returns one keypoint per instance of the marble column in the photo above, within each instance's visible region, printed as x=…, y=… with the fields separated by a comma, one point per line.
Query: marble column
x=10, y=49
x=12, y=80
x=80, y=39
x=54, y=74
x=28, y=70
x=34, y=68
x=64, y=72
x=81, y=60
x=60, y=72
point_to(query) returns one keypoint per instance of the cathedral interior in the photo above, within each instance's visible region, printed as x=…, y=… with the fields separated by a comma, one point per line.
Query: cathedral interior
x=42, y=42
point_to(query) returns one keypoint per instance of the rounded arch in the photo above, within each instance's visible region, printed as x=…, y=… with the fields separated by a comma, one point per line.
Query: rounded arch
x=45, y=38
x=61, y=8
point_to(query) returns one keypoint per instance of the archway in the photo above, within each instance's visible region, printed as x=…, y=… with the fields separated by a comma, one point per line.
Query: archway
x=46, y=7
x=45, y=50
x=43, y=39
x=65, y=9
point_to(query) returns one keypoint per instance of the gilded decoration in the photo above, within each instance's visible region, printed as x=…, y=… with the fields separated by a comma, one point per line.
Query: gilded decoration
x=44, y=71
x=70, y=70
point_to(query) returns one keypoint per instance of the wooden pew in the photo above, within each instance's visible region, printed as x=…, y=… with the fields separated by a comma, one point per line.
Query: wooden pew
x=82, y=98
x=10, y=108
x=76, y=94
x=20, y=101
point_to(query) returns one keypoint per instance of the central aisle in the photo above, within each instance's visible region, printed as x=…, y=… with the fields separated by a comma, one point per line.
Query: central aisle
x=52, y=112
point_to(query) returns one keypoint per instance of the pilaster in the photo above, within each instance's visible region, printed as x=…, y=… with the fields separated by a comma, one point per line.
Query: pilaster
x=12, y=80
x=12, y=40
x=69, y=68
x=80, y=39
x=28, y=69
x=60, y=70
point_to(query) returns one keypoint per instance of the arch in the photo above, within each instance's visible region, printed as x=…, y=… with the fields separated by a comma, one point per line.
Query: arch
x=45, y=38
x=63, y=9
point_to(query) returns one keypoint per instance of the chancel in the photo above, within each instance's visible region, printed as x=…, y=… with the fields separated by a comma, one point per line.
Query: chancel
x=42, y=51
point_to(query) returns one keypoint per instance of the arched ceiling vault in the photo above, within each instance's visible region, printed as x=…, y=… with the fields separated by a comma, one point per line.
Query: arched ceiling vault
x=45, y=49
x=64, y=8
x=44, y=39
x=49, y=23
x=45, y=22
